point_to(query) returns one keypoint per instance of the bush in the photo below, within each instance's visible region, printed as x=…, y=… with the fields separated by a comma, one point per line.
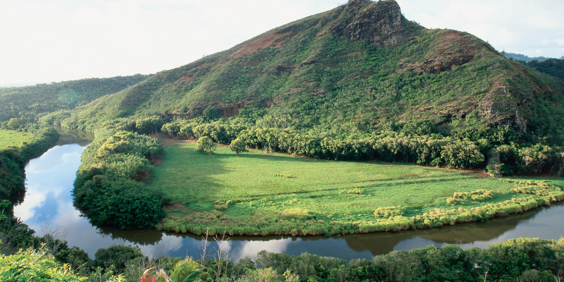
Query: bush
x=388, y=212
x=120, y=202
x=116, y=257
x=238, y=146
x=206, y=145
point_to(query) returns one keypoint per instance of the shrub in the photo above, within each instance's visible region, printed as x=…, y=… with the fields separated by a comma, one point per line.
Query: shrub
x=356, y=191
x=206, y=145
x=238, y=146
x=388, y=212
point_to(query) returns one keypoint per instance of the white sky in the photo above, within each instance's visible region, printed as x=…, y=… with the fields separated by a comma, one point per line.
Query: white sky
x=42, y=41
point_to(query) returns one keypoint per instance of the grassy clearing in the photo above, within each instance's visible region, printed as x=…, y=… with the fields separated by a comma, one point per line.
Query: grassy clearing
x=260, y=194
x=13, y=138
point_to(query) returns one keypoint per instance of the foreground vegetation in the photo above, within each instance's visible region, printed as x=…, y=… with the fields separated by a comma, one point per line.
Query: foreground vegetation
x=514, y=260
x=260, y=194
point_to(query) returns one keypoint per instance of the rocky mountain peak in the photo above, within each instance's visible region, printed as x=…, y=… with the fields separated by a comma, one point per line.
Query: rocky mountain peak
x=380, y=23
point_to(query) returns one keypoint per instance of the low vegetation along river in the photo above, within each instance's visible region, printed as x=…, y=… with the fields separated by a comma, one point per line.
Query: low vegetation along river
x=48, y=208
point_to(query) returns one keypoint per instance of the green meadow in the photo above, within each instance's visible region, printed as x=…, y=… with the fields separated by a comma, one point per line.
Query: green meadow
x=262, y=193
x=13, y=138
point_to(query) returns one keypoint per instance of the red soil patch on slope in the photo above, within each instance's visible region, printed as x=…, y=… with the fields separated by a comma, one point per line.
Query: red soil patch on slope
x=189, y=77
x=260, y=43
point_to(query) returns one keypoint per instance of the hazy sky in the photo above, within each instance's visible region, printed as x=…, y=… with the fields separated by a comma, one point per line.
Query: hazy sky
x=55, y=40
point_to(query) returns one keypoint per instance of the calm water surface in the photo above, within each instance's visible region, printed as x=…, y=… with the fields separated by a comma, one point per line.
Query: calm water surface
x=48, y=208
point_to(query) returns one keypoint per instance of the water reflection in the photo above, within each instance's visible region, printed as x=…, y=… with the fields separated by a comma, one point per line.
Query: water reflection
x=48, y=205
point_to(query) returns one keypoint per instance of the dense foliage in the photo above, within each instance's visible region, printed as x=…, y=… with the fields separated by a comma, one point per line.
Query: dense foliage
x=107, y=186
x=32, y=265
x=513, y=260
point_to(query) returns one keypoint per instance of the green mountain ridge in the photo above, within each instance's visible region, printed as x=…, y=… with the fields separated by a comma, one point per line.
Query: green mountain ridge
x=28, y=101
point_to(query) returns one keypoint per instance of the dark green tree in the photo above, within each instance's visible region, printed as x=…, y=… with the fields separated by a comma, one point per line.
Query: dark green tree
x=211, y=113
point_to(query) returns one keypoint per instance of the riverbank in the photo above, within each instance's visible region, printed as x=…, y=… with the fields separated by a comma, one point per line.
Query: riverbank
x=258, y=194
x=14, y=158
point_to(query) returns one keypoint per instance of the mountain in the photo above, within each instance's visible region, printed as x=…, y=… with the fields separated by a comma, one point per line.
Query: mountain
x=29, y=101
x=525, y=58
x=357, y=67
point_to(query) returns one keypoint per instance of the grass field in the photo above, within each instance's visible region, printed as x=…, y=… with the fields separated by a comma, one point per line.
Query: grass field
x=259, y=194
x=13, y=138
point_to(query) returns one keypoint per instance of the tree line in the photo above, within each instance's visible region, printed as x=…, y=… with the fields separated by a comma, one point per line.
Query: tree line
x=456, y=151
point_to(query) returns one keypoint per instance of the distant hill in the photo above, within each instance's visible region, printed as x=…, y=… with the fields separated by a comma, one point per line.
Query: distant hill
x=354, y=68
x=553, y=67
x=525, y=58
x=43, y=98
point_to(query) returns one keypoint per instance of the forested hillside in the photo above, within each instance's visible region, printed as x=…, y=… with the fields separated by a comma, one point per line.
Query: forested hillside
x=29, y=101
x=551, y=67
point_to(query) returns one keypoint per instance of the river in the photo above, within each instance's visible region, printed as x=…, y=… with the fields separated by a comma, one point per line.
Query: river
x=47, y=208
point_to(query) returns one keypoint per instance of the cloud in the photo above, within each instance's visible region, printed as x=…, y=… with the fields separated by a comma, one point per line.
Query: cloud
x=252, y=248
x=512, y=25
x=26, y=210
x=168, y=244
x=56, y=40
x=63, y=40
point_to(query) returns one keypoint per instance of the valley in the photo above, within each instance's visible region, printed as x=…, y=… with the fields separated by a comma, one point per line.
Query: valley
x=360, y=135
x=48, y=209
x=260, y=193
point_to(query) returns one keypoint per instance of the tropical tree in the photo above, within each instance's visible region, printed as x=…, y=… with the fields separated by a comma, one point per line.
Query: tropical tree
x=206, y=145
x=238, y=146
